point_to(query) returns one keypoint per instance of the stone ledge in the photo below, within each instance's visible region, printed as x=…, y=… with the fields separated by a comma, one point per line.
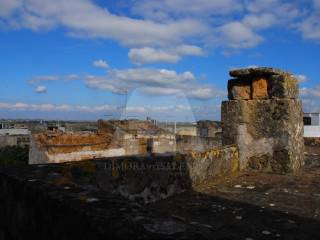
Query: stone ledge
x=259, y=71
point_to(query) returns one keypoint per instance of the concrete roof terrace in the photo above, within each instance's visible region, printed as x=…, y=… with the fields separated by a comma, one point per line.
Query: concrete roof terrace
x=62, y=201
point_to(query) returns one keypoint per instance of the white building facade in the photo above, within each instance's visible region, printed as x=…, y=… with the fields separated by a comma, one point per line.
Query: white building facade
x=311, y=124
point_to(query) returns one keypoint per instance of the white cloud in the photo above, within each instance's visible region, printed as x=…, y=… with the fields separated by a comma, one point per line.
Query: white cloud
x=101, y=64
x=301, y=78
x=151, y=55
x=165, y=24
x=52, y=107
x=237, y=35
x=8, y=6
x=310, y=92
x=86, y=19
x=153, y=82
x=259, y=21
x=53, y=78
x=205, y=93
x=165, y=9
x=310, y=28
x=173, y=55
x=20, y=106
x=72, y=77
x=155, y=30
x=43, y=78
x=41, y=89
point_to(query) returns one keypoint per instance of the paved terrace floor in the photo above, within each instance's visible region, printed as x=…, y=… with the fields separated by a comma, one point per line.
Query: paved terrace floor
x=247, y=206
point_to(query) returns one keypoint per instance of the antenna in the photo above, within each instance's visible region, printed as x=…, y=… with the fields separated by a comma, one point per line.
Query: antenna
x=125, y=103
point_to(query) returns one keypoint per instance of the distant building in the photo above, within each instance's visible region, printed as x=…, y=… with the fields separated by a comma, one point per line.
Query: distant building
x=311, y=124
x=140, y=137
x=114, y=138
x=84, y=127
x=311, y=119
x=14, y=137
x=208, y=128
x=179, y=128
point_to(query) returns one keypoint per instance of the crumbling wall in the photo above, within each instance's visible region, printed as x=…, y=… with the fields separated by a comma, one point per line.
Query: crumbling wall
x=264, y=118
x=66, y=147
x=139, y=137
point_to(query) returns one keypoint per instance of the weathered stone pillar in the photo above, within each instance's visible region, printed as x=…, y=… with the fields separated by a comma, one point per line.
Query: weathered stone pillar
x=264, y=118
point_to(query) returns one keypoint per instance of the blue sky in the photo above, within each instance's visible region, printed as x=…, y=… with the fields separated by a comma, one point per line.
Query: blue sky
x=75, y=59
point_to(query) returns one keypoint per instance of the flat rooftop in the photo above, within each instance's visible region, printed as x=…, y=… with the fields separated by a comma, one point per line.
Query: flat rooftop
x=245, y=206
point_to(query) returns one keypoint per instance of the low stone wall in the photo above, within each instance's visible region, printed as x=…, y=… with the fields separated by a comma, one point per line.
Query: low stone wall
x=204, y=166
x=150, y=179
x=43, y=155
x=194, y=143
x=66, y=147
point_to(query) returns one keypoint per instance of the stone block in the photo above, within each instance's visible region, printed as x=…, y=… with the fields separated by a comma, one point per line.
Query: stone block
x=260, y=71
x=269, y=133
x=239, y=89
x=260, y=88
x=283, y=86
x=278, y=84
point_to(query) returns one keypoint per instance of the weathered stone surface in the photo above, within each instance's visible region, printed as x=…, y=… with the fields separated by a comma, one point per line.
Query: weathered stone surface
x=204, y=166
x=260, y=71
x=262, y=83
x=143, y=179
x=187, y=144
x=283, y=86
x=260, y=88
x=239, y=89
x=269, y=133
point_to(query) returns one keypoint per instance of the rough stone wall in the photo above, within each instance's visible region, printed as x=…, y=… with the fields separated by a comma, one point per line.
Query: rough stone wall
x=220, y=161
x=191, y=143
x=264, y=118
x=150, y=179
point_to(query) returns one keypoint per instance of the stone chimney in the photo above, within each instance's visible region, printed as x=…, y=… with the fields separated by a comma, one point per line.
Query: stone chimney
x=264, y=118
